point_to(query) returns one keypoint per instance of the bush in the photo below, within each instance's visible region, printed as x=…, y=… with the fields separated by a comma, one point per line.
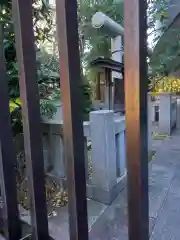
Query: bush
x=165, y=84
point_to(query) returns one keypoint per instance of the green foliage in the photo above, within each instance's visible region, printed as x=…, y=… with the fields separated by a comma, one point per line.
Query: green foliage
x=49, y=98
x=167, y=59
x=157, y=10
x=48, y=65
x=42, y=20
x=93, y=44
x=165, y=84
x=48, y=109
x=87, y=100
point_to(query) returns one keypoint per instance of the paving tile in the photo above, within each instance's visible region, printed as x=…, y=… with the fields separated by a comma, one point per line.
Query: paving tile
x=111, y=222
x=164, y=196
x=168, y=222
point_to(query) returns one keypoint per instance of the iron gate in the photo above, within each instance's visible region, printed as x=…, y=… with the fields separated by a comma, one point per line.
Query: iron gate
x=136, y=123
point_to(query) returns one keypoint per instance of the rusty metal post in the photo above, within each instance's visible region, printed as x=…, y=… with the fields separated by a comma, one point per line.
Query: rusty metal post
x=136, y=86
x=10, y=215
x=26, y=55
x=70, y=77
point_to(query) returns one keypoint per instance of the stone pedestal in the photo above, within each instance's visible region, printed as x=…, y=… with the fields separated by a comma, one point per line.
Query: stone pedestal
x=106, y=134
x=53, y=143
x=120, y=154
x=57, y=157
x=178, y=113
x=165, y=100
x=103, y=149
x=105, y=184
x=54, y=159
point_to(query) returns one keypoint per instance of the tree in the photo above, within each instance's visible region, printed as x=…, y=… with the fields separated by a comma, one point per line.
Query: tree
x=165, y=61
x=93, y=44
x=42, y=21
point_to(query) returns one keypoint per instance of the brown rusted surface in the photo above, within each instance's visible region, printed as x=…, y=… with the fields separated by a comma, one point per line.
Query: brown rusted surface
x=26, y=56
x=136, y=86
x=10, y=224
x=70, y=78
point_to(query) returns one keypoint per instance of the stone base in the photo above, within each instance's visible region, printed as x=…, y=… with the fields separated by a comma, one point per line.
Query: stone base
x=103, y=195
x=95, y=193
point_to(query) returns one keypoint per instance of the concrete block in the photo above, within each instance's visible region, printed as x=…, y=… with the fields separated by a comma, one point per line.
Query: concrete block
x=103, y=149
x=165, y=113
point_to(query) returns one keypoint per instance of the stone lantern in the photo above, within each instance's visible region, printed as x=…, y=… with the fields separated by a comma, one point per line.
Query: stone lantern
x=114, y=87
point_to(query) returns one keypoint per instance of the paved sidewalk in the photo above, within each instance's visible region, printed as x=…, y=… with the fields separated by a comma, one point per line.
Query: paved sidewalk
x=164, y=199
x=110, y=222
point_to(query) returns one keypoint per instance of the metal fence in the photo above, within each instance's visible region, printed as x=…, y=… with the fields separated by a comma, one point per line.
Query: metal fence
x=136, y=123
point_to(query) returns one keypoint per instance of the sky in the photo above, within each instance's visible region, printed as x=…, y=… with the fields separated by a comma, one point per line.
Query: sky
x=52, y=2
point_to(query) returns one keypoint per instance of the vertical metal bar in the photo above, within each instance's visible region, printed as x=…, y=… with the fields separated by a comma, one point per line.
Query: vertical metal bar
x=25, y=50
x=10, y=213
x=67, y=28
x=136, y=86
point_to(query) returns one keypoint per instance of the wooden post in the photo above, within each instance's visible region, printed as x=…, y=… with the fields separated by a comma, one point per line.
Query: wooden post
x=136, y=86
